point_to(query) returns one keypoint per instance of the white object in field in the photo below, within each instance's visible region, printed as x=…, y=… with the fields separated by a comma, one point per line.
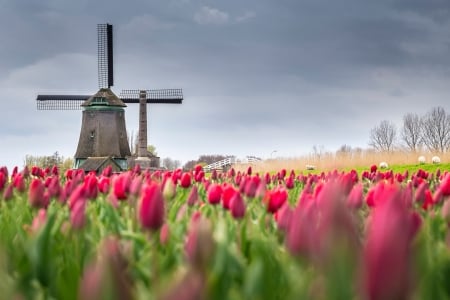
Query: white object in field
x=384, y=165
x=435, y=160
x=422, y=159
x=310, y=167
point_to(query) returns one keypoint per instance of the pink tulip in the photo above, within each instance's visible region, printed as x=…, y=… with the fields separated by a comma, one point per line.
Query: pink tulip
x=8, y=192
x=108, y=276
x=39, y=220
x=284, y=217
x=164, y=234
x=387, y=252
x=199, y=246
x=355, y=198
x=36, y=194
x=78, y=214
x=191, y=286
x=302, y=230
x=193, y=196
x=251, y=184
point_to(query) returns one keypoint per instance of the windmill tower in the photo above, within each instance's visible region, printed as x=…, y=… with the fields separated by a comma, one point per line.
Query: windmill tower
x=103, y=137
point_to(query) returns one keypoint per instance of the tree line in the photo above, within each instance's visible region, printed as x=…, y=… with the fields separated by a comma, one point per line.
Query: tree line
x=430, y=131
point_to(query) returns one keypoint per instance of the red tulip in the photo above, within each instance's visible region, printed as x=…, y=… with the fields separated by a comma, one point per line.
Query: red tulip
x=276, y=199
x=249, y=170
x=227, y=194
x=355, y=198
x=19, y=183
x=214, y=174
x=2, y=180
x=103, y=184
x=428, y=202
x=121, y=185
x=237, y=206
x=290, y=183
x=444, y=186
x=54, y=188
x=185, y=180
x=420, y=192
x=214, y=193
x=91, y=184
x=36, y=194
x=78, y=194
x=151, y=207
x=107, y=172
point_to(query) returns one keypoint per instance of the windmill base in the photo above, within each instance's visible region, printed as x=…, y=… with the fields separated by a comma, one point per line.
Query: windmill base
x=146, y=163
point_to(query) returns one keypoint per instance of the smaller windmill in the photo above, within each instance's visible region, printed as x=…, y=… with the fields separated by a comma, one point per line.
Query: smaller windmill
x=103, y=137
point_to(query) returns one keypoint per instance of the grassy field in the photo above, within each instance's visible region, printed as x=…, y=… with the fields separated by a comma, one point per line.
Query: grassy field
x=397, y=162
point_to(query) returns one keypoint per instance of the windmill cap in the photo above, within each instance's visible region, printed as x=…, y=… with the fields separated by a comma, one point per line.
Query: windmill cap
x=104, y=97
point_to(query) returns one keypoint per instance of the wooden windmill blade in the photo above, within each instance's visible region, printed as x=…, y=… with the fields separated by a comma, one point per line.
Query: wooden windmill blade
x=105, y=56
x=166, y=96
x=60, y=102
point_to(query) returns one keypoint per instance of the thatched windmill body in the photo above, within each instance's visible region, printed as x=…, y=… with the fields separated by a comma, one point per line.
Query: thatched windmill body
x=103, y=137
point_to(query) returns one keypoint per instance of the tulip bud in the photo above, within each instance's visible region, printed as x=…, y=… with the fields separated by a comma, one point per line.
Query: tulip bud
x=200, y=245
x=78, y=214
x=169, y=189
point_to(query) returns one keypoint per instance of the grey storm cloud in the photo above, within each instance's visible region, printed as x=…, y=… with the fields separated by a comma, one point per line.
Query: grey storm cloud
x=257, y=75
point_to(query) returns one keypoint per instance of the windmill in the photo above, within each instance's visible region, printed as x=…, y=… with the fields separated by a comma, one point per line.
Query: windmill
x=103, y=136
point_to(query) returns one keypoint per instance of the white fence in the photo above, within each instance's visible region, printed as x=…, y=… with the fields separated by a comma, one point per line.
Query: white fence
x=221, y=164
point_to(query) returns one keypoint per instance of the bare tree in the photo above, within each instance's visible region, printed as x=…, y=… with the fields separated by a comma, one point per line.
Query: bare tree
x=382, y=137
x=171, y=164
x=411, y=133
x=436, y=130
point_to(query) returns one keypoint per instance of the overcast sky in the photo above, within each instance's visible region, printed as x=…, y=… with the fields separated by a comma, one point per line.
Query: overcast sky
x=257, y=75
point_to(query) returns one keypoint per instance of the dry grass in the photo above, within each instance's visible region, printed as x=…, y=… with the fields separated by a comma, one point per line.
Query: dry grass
x=331, y=161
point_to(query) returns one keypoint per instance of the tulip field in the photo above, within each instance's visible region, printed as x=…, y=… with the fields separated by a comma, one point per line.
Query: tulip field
x=179, y=234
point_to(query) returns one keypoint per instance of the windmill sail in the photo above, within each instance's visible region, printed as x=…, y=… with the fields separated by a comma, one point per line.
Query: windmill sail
x=167, y=96
x=105, y=56
x=60, y=102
